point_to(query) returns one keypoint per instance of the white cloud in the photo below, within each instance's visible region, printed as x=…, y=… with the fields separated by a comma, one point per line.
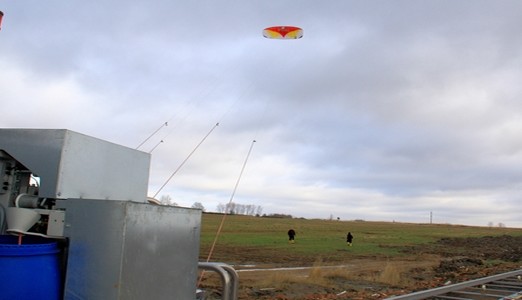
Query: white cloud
x=383, y=111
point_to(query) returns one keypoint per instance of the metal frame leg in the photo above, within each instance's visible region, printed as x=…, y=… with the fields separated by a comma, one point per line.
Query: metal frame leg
x=229, y=278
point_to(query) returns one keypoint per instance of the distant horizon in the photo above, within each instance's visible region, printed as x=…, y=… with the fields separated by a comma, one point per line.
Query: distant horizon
x=284, y=216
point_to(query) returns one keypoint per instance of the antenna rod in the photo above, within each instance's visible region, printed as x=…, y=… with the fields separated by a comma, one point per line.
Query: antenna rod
x=155, y=146
x=164, y=124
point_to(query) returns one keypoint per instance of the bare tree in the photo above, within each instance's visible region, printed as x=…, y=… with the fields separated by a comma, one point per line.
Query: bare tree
x=240, y=209
x=230, y=208
x=259, y=210
x=198, y=205
x=251, y=209
x=167, y=200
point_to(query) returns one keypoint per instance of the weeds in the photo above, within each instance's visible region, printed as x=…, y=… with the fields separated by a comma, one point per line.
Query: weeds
x=319, y=275
x=391, y=275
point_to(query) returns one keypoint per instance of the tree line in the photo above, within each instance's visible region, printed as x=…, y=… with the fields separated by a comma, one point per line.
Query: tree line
x=229, y=208
x=240, y=209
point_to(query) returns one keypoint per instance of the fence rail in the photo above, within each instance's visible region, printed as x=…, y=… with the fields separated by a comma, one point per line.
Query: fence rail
x=505, y=286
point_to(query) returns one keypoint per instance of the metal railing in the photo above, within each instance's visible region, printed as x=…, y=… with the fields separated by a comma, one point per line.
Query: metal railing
x=500, y=286
x=229, y=278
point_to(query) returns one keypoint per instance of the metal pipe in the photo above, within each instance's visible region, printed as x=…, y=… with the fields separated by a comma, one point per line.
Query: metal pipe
x=26, y=201
x=229, y=278
x=234, y=280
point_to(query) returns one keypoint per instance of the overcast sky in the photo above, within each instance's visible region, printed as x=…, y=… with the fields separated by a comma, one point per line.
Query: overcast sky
x=384, y=110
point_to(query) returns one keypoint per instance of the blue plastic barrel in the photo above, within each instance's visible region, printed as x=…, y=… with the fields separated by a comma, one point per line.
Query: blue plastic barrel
x=30, y=270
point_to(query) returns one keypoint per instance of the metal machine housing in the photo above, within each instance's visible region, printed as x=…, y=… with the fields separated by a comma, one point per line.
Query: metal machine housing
x=91, y=195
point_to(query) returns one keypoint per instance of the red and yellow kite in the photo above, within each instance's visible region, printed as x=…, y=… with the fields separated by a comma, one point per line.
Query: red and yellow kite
x=283, y=32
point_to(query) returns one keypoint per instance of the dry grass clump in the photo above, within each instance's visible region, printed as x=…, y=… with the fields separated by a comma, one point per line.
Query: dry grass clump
x=317, y=275
x=324, y=275
x=280, y=279
x=391, y=274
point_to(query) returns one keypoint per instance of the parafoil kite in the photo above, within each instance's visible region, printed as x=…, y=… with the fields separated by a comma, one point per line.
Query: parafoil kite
x=283, y=32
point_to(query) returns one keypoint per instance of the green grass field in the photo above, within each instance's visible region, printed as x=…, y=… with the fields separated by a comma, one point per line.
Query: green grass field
x=325, y=237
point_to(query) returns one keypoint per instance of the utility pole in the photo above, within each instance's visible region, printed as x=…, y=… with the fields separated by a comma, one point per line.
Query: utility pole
x=431, y=217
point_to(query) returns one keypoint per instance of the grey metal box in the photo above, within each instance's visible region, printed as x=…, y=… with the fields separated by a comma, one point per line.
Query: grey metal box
x=126, y=250
x=73, y=165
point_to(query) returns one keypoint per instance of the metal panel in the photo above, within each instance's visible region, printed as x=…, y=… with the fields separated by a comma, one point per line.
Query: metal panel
x=39, y=151
x=160, y=259
x=127, y=250
x=56, y=223
x=73, y=165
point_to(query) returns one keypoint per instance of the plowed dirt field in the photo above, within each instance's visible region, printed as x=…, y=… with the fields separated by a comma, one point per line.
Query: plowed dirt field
x=449, y=260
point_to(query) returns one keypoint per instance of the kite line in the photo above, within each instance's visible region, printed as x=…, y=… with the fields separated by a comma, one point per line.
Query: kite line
x=225, y=213
x=184, y=161
x=277, y=32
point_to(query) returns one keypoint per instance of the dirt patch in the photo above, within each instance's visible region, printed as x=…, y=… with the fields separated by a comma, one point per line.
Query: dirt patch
x=449, y=260
x=506, y=248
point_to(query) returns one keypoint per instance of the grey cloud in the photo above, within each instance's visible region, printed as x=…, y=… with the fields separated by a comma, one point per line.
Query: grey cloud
x=395, y=108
